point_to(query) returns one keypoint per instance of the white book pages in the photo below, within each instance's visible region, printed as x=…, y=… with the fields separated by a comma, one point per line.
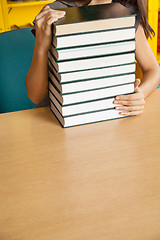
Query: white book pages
x=97, y=50
x=92, y=84
x=92, y=95
x=83, y=107
x=106, y=61
x=86, y=118
x=102, y=24
x=96, y=73
x=94, y=38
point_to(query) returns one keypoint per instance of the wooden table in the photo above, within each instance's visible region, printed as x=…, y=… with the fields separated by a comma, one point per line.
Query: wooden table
x=94, y=182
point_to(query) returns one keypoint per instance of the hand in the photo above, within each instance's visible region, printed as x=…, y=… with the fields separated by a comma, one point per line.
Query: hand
x=132, y=104
x=43, y=22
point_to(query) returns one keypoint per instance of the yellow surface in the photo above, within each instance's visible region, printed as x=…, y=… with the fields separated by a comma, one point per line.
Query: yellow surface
x=21, y=13
x=2, y=28
x=28, y=3
x=158, y=57
x=5, y=14
x=94, y=182
x=18, y=11
x=153, y=7
x=19, y=16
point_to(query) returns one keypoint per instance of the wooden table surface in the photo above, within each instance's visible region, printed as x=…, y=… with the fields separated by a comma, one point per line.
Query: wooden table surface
x=94, y=182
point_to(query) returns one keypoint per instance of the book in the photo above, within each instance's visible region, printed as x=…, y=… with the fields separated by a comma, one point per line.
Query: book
x=94, y=18
x=91, y=51
x=85, y=118
x=89, y=95
x=70, y=41
x=83, y=107
x=92, y=73
x=91, y=84
x=92, y=62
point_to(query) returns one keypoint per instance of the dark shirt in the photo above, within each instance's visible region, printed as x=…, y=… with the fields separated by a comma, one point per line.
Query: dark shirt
x=63, y=4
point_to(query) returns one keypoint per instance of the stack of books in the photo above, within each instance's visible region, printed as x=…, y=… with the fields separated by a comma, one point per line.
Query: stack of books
x=91, y=61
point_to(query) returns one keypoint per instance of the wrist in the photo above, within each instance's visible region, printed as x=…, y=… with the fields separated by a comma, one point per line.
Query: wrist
x=143, y=90
x=40, y=49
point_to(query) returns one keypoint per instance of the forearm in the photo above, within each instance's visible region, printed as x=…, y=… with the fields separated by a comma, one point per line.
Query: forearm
x=150, y=81
x=37, y=76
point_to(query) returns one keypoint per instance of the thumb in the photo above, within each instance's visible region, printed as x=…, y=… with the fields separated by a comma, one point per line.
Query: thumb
x=136, y=85
x=46, y=7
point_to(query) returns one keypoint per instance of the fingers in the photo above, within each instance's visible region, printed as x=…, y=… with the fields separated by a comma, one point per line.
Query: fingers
x=130, y=110
x=133, y=110
x=130, y=97
x=42, y=13
x=46, y=18
x=132, y=104
x=43, y=23
x=52, y=13
x=51, y=20
x=136, y=85
x=135, y=113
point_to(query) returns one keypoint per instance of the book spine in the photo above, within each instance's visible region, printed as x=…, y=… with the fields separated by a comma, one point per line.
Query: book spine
x=53, y=51
x=53, y=61
x=53, y=70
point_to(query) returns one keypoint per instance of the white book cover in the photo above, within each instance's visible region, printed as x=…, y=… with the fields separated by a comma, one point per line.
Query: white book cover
x=86, y=118
x=91, y=63
x=96, y=50
x=83, y=107
x=91, y=95
x=94, y=73
x=92, y=84
x=94, y=38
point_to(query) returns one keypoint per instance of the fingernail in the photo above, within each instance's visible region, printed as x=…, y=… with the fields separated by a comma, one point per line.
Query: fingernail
x=117, y=107
x=123, y=113
x=116, y=102
x=117, y=98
